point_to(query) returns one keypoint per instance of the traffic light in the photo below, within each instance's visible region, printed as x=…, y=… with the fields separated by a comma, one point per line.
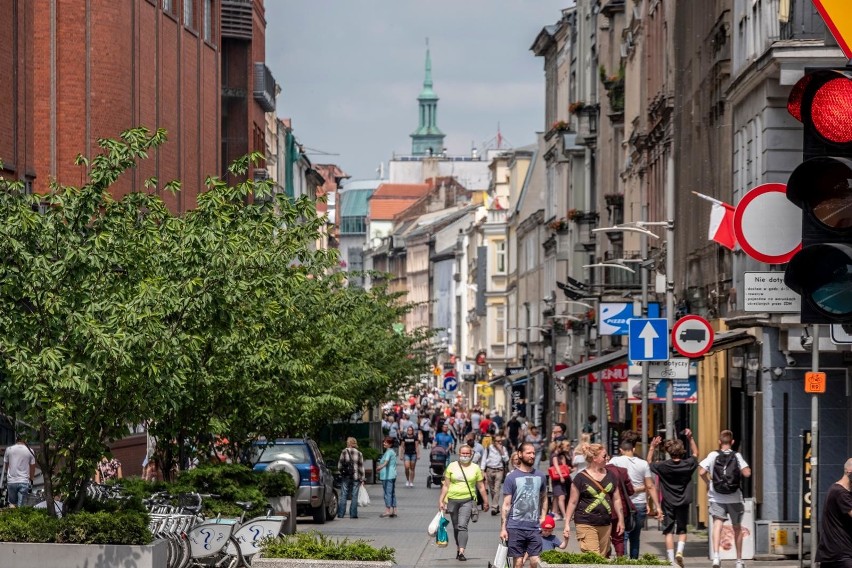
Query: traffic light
x=822, y=187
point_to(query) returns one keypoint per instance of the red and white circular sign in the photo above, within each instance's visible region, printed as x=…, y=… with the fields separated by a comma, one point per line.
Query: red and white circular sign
x=692, y=336
x=767, y=225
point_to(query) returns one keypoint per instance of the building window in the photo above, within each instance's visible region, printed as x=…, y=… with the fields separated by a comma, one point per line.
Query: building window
x=500, y=323
x=169, y=6
x=189, y=14
x=208, y=21
x=501, y=257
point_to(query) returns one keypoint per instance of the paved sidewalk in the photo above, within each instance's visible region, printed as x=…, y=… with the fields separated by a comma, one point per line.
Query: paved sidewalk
x=415, y=549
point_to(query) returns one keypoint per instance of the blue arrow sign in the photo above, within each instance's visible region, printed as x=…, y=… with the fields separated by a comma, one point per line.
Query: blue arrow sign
x=450, y=383
x=648, y=340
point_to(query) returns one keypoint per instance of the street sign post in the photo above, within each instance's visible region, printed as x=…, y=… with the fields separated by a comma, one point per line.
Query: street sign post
x=648, y=339
x=450, y=383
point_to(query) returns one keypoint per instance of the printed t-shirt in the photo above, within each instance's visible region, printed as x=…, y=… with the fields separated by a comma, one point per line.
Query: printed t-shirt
x=526, y=489
x=595, y=505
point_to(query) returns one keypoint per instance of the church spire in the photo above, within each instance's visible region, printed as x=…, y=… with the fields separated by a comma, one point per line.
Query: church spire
x=428, y=138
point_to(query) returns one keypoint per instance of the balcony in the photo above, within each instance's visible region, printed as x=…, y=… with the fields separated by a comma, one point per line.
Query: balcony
x=264, y=87
x=237, y=19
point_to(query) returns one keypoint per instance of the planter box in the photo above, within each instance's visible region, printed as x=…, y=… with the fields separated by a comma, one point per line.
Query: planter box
x=299, y=563
x=48, y=555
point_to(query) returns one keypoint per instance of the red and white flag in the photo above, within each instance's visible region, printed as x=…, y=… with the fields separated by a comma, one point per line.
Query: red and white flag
x=721, y=222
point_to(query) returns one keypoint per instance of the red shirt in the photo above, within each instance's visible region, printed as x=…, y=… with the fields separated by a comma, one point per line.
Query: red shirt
x=484, y=425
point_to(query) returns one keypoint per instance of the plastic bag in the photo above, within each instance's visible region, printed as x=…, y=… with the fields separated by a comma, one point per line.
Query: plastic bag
x=501, y=558
x=363, y=497
x=433, y=526
x=442, y=539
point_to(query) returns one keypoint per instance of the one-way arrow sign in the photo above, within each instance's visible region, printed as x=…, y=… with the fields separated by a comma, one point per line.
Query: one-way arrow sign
x=648, y=339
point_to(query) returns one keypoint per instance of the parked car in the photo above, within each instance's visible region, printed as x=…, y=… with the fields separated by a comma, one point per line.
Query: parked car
x=315, y=493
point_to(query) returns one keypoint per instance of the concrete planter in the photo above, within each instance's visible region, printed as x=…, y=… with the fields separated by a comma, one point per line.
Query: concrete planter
x=299, y=563
x=285, y=506
x=48, y=555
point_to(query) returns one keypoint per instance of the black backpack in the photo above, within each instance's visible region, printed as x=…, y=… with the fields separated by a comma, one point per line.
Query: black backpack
x=347, y=466
x=727, y=475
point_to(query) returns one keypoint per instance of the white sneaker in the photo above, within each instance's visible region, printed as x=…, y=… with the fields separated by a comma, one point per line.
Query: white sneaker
x=717, y=563
x=679, y=559
x=740, y=564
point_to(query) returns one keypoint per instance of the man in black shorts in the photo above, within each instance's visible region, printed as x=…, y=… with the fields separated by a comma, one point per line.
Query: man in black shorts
x=675, y=477
x=524, y=508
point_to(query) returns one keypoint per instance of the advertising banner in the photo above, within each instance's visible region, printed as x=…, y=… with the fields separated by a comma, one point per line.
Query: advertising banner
x=685, y=391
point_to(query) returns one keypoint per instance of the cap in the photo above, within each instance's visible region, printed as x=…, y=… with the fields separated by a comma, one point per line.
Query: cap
x=548, y=523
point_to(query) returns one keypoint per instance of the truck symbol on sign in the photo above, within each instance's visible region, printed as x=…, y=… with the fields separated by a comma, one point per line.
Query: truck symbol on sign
x=693, y=334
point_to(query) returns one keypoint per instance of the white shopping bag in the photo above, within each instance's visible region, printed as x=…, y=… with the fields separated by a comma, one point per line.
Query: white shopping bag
x=433, y=526
x=363, y=497
x=501, y=558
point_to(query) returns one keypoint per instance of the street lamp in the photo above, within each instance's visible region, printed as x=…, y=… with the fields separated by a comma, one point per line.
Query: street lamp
x=641, y=228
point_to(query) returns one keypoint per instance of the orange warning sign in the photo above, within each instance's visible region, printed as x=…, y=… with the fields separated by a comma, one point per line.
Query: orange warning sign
x=837, y=15
x=815, y=382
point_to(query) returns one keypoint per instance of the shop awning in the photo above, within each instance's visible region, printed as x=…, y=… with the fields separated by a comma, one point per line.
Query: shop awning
x=518, y=378
x=593, y=365
x=721, y=341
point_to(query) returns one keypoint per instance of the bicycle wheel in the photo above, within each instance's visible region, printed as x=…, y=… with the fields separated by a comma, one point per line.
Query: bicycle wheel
x=233, y=561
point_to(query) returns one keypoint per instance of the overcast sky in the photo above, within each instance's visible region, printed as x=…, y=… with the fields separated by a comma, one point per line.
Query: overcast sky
x=351, y=70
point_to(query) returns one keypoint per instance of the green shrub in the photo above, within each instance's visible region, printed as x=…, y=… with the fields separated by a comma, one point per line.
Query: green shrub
x=559, y=557
x=331, y=451
x=35, y=525
x=315, y=546
x=276, y=484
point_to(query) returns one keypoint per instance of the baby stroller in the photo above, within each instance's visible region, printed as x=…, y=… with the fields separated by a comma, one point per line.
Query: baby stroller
x=437, y=465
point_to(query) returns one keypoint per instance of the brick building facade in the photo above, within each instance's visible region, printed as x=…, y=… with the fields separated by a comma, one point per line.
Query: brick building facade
x=76, y=72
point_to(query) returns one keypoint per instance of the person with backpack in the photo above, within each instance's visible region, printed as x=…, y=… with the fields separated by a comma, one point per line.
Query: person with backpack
x=723, y=471
x=351, y=469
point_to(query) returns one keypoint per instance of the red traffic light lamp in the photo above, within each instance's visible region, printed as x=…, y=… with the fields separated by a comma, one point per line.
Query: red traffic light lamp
x=821, y=187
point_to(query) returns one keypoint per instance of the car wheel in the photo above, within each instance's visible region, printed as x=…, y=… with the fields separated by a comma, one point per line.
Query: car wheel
x=331, y=509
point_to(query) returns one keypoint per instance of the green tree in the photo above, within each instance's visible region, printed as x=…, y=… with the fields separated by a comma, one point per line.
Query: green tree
x=225, y=321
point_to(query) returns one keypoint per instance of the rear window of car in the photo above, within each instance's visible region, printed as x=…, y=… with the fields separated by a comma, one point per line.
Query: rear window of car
x=295, y=453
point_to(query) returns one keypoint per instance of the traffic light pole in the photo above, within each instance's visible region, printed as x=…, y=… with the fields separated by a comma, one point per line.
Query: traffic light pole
x=814, y=448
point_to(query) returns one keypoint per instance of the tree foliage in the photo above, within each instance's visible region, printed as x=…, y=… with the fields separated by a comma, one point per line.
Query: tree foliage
x=226, y=321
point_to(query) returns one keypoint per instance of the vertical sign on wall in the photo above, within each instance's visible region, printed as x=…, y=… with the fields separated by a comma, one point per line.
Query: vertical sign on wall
x=807, y=489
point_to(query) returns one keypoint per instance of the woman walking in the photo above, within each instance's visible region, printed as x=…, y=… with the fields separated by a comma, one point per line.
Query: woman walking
x=410, y=452
x=493, y=464
x=593, y=499
x=560, y=457
x=676, y=490
x=461, y=480
x=387, y=475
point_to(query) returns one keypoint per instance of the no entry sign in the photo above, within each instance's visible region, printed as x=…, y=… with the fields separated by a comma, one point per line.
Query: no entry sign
x=767, y=225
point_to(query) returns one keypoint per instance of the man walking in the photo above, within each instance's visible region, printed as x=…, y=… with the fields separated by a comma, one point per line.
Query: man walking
x=351, y=468
x=493, y=464
x=20, y=471
x=643, y=488
x=723, y=471
x=524, y=508
x=835, y=537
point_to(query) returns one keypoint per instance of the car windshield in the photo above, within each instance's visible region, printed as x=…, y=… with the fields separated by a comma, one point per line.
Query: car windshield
x=294, y=453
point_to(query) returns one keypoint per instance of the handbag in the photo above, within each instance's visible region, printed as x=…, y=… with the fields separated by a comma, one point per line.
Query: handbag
x=474, y=511
x=363, y=497
x=630, y=519
x=442, y=539
x=501, y=558
x=554, y=471
x=433, y=526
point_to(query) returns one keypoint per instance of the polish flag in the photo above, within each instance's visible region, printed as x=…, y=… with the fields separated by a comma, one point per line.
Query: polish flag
x=721, y=222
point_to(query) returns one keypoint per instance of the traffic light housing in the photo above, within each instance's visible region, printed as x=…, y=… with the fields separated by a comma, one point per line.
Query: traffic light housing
x=821, y=187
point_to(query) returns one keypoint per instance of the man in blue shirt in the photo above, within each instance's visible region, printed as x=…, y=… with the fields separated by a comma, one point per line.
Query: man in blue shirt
x=445, y=440
x=524, y=508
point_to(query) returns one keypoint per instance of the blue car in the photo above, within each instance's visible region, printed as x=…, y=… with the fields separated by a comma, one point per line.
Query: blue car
x=315, y=493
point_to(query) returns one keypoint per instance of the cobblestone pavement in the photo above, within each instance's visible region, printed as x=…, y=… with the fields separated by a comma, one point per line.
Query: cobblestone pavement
x=414, y=548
